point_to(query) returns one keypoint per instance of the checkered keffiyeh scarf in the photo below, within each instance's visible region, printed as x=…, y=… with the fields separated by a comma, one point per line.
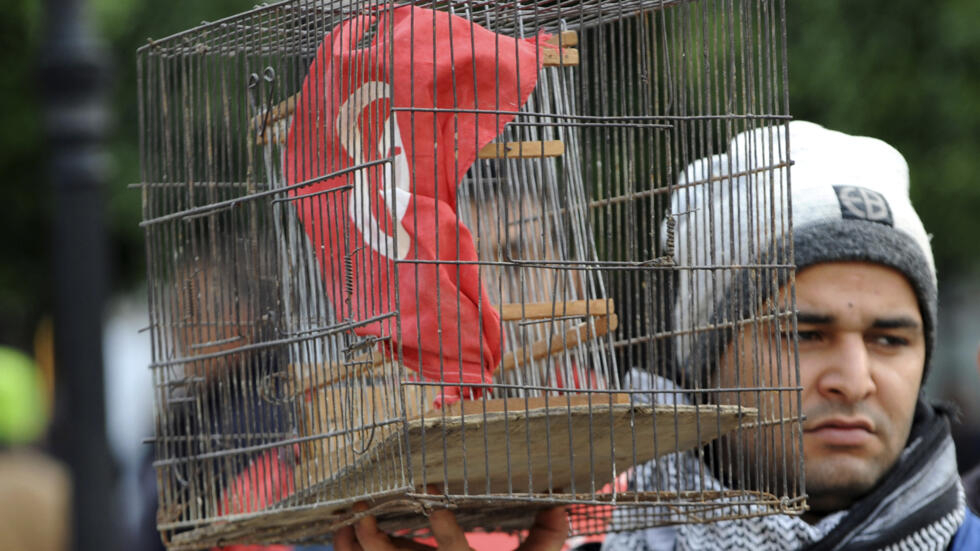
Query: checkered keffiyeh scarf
x=919, y=505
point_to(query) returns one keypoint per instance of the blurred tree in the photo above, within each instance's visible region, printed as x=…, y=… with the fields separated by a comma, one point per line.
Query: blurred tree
x=25, y=282
x=126, y=25
x=24, y=275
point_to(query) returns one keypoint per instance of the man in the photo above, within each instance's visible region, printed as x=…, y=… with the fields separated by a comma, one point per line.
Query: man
x=505, y=222
x=880, y=466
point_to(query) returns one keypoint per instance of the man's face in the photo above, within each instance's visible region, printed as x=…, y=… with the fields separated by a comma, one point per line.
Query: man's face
x=862, y=354
x=517, y=227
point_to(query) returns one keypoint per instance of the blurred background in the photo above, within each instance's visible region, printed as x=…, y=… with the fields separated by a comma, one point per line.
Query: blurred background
x=899, y=70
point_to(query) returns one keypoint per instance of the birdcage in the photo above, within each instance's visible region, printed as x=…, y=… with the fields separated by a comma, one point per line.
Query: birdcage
x=423, y=255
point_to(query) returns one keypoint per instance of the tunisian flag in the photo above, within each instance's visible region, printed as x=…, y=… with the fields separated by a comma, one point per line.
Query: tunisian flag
x=411, y=64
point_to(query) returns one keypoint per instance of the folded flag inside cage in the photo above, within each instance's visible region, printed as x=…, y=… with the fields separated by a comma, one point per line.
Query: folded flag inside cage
x=466, y=85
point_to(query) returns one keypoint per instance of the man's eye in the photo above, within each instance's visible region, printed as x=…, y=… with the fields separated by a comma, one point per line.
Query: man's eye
x=889, y=340
x=804, y=336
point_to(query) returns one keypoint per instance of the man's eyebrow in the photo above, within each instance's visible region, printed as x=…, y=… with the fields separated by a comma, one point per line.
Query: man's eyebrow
x=897, y=322
x=813, y=318
x=900, y=322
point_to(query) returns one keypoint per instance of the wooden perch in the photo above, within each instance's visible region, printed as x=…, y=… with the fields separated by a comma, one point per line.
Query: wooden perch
x=604, y=320
x=522, y=150
x=551, y=56
x=572, y=337
x=565, y=57
x=545, y=310
x=564, y=39
x=278, y=112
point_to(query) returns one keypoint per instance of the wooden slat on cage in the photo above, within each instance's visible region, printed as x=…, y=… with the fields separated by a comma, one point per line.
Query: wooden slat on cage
x=499, y=377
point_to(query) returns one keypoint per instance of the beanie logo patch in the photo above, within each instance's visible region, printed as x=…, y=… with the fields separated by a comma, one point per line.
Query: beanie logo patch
x=858, y=203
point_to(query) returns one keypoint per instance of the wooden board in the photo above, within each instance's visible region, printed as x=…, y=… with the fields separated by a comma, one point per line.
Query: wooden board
x=568, y=445
x=524, y=452
x=334, y=408
x=565, y=445
x=502, y=446
x=407, y=513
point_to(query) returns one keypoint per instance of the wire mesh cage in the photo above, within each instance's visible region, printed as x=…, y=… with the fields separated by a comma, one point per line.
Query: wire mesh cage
x=442, y=254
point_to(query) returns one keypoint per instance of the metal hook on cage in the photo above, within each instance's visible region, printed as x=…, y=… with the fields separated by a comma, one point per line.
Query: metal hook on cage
x=252, y=86
x=361, y=450
x=179, y=478
x=360, y=385
x=351, y=441
x=253, y=83
x=348, y=276
x=349, y=290
x=671, y=227
x=269, y=76
x=667, y=258
x=363, y=343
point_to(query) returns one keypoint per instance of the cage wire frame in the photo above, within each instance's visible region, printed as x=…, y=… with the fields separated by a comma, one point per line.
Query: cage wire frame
x=285, y=376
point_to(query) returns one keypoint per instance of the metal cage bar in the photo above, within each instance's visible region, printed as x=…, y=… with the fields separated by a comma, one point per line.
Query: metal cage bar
x=442, y=244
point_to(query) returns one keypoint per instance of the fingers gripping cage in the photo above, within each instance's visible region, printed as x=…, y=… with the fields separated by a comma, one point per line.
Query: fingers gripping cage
x=424, y=255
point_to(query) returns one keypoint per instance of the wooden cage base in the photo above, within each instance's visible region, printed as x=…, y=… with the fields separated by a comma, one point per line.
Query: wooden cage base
x=520, y=456
x=405, y=513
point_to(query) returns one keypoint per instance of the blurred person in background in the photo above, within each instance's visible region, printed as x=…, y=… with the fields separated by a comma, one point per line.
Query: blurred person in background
x=35, y=489
x=225, y=304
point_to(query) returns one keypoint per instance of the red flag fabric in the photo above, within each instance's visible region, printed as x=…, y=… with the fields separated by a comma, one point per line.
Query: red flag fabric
x=411, y=64
x=265, y=481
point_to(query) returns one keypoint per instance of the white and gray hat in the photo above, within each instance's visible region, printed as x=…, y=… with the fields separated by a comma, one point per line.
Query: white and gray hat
x=850, y=202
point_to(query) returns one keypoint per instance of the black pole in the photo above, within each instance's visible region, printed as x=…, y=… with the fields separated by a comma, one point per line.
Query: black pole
x=73, y=78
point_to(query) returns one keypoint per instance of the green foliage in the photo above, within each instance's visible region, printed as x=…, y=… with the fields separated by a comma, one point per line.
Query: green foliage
x=124, y=25
x=905, y=72
x=24, y=235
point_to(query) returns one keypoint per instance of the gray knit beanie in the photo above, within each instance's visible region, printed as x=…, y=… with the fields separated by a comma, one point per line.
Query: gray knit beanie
x=850, y=202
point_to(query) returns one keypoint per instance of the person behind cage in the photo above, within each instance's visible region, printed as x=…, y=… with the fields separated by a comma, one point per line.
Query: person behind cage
x=507, y=222
x=880, y=465
x=228, y=394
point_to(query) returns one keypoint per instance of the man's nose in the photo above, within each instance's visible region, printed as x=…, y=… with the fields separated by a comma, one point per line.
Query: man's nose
x=846, y=374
